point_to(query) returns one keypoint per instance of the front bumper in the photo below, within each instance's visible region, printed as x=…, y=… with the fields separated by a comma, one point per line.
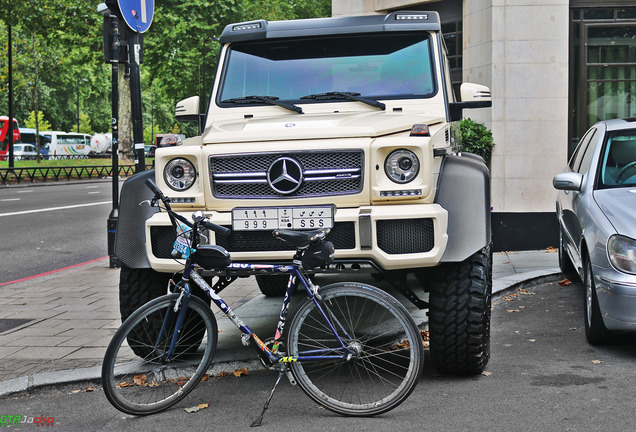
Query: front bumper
x=616, y=293
x=392, y=237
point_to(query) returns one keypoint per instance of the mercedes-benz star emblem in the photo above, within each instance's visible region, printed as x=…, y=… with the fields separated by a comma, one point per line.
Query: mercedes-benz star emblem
x=285, y=175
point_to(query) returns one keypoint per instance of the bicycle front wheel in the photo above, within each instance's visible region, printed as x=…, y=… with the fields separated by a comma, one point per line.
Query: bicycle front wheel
x=149, y=382
x=386, y=343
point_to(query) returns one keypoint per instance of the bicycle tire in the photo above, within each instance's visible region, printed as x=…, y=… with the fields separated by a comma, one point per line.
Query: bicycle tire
x=387, y=365
x=147, y=385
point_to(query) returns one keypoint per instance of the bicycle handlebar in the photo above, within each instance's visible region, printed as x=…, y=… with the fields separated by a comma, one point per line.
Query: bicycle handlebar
x=166, y=201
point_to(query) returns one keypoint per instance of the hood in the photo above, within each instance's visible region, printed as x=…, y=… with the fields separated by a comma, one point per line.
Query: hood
x=312, y=126
x=619, y=205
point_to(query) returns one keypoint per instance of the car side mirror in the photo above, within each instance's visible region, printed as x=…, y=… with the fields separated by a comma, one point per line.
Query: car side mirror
x=568, y=181
x=187, y=109
x=472, y=96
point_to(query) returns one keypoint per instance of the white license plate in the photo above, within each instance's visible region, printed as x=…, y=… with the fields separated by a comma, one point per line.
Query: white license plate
x=271, y=218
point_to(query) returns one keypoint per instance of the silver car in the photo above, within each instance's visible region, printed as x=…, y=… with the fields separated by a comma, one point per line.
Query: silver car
x=596, y=210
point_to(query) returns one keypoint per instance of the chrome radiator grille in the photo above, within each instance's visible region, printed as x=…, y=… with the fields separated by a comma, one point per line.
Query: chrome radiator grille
x=333, y=172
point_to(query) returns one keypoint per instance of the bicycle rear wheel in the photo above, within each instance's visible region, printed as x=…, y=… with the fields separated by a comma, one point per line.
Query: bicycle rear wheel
x=387, y=345
x=148, y=384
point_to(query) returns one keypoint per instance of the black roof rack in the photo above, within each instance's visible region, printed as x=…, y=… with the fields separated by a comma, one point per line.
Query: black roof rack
x=394, y=21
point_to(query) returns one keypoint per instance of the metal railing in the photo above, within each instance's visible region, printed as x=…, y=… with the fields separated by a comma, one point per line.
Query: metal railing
x=53, y=174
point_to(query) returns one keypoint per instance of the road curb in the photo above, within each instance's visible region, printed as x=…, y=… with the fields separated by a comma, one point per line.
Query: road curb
x=94, y=374
x=524, y=280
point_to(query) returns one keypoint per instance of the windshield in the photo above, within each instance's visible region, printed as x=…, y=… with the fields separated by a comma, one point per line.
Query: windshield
x=373, y=66
x=618, y=168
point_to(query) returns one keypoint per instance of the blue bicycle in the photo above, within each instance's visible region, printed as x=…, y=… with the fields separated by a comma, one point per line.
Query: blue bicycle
x=351, y=347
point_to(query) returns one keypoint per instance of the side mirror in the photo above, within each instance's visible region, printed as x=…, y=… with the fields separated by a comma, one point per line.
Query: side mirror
x=568, y=181
x=188, y=109
x=472, y=96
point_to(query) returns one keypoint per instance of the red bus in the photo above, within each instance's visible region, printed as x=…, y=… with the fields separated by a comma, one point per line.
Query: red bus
x=4, y=141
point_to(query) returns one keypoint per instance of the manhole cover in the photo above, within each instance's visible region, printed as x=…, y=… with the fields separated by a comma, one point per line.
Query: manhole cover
x=8, y=324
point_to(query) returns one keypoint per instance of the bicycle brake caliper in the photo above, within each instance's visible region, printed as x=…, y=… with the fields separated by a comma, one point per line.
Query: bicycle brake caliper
x=314, y=291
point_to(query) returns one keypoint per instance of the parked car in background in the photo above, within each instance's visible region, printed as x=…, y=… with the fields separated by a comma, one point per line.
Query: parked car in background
x=4, y=129
x=24, y=151
x=596, y=211
x=28, y=136
x=149, y=150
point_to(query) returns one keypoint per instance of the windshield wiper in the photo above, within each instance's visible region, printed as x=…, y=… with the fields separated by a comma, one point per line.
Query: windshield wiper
x=345, y=95
x=273, y=100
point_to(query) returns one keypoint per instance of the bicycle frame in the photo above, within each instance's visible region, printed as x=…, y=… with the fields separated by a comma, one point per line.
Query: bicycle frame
x=270, y=356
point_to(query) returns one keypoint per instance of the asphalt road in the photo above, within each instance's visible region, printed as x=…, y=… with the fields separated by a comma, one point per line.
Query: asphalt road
x=542, y=376
x=50, y=226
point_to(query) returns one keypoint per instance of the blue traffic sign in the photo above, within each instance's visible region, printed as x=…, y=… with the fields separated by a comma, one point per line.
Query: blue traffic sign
x=137, y=13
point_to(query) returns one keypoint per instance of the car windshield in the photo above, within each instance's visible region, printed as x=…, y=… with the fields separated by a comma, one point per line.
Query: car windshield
x=372, y=66
x=618, y=166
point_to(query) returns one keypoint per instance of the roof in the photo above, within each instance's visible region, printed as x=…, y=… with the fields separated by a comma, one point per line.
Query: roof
x=395, y=21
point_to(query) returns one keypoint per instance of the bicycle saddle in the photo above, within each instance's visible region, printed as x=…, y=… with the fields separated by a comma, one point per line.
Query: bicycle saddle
x=301, y=239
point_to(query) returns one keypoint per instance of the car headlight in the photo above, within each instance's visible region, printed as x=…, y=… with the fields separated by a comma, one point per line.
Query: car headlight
x=179, y=174
x=402, y=166
x=622, y=253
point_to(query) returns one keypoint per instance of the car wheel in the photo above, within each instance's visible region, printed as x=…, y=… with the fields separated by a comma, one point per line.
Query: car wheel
x=595, y=330
x=272, y=285
x=459, y=314
x=565, y=263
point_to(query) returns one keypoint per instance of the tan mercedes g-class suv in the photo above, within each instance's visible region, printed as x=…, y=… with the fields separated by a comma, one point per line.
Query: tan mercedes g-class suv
x=342, y=123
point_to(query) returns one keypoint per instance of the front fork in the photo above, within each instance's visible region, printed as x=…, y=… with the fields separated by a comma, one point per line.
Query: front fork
x=180, y=308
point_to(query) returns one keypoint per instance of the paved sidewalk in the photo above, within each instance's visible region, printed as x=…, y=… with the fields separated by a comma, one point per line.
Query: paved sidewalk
x=56, y=328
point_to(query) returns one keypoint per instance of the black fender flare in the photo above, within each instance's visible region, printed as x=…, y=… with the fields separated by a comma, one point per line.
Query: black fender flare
x=463, y=189
x=130, y=239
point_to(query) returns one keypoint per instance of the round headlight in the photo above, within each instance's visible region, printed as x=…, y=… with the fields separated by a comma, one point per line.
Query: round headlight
x=622, y=253
x=179, y=174
x=402, y=166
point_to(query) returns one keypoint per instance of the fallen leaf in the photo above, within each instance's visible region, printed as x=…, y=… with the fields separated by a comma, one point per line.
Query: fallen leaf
x=222, y=374
x=204, y=405
x=205, y=377
x=551, y=249
x=75, y=391
x=486, y=373
x=90, y=389
x=240, y=372
x=597, y=361
x=139, y=379
x=512, y=310
x=532, y=340
x=192, y=409
x=565, y=282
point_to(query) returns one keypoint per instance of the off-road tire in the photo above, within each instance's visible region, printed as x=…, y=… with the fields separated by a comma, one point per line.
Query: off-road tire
x=272, y=285
x=459, y=314
x=139, y=286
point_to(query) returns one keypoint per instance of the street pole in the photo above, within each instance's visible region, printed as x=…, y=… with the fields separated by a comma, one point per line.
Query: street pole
x=113, y=218
x=134, y=52
x=9, y=136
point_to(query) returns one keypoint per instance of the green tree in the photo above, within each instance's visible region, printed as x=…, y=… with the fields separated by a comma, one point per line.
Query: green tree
x=32, y=122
